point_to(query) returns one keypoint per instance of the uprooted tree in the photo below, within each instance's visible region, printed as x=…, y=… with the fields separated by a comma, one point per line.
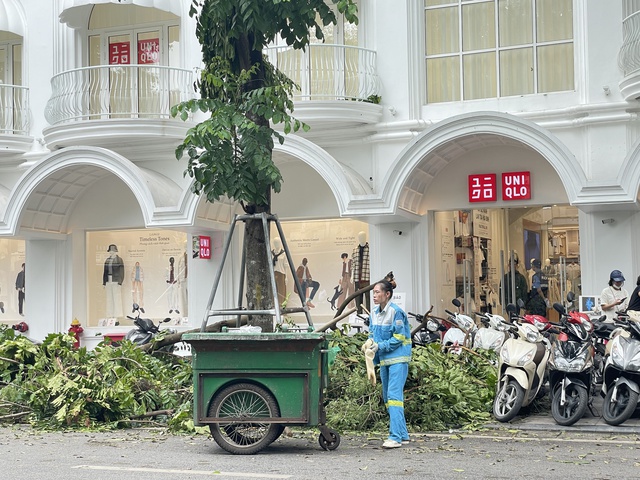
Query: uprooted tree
x=243, y=94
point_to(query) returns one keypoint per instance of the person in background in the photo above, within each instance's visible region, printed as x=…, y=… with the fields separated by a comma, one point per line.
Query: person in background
x=634, y=300
x=522, y=290
x=20, y=289
x=390, y=339
x=538, y=297
x=614, y=298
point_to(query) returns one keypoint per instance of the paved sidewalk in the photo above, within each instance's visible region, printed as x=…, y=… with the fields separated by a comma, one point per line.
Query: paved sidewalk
x=591, y=422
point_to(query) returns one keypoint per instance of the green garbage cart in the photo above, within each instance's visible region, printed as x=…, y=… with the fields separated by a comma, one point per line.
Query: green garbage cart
x=249, y=386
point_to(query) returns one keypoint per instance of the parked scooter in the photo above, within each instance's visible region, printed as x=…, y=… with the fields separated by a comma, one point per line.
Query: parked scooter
x=571, y=367
x=521, y=367
x=621, y=378
x=429, y=329
x=145, y=330
x=461, y=332
x=493, y=333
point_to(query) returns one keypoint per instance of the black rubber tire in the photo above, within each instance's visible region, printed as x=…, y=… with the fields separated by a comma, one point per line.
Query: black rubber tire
x=332, y=444
x=244, y=400
x=620, y=411
x=507, y=405
x=576, y=399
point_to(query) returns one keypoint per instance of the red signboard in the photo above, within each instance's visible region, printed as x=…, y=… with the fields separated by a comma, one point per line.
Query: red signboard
x=483, y=188
x=149, y=51
x=119, y=53
x=516, y=186
x=205, y=247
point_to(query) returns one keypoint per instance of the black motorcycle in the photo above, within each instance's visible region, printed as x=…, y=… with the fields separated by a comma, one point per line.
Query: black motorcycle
x=145, y=330
x=429, y=329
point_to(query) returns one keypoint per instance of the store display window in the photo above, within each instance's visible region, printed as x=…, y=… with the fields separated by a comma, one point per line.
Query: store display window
x=12, y=277
x=147, y=267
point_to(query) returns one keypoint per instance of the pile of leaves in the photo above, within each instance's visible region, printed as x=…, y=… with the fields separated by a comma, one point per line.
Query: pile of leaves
x=54, y=386
x=442, y=391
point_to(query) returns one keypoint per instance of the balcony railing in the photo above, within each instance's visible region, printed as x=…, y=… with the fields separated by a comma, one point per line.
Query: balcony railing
x=117, y=92
x=14, y=110
x=329, y=72
x=629, y=55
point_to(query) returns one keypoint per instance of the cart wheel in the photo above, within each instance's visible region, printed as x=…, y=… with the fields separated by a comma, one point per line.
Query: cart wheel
x=244, y=400
x=332, y=444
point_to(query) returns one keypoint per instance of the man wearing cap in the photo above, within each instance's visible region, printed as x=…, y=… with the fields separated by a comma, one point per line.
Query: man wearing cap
x=538, y=299
x=614, y=298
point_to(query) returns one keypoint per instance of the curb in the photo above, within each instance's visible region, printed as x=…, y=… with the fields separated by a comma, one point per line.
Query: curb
x=623, y=429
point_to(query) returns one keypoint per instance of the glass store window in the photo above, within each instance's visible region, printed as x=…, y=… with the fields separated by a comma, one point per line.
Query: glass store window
x=12, y=293
x=140, y=45
x=475, y=247
x=497, y=48
x=147, y=267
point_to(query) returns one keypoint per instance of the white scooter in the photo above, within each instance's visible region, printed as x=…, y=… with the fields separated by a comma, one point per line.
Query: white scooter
x=521, y=367
x=461, y=332
x=621, y=378
x=493, y=333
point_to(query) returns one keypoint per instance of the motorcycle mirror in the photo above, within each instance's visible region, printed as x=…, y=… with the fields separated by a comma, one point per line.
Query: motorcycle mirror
x=571, y=297
x=456, y=302
x=168, y=319
x=135, y=307
x=559, y=308
x=521, y=303
x=511, y=308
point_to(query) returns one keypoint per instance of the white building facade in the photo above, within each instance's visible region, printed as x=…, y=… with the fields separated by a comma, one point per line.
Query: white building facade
x=451, y=132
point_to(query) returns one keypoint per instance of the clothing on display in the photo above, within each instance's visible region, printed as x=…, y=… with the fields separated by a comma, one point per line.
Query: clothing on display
x=112, y=278
x=361, y=271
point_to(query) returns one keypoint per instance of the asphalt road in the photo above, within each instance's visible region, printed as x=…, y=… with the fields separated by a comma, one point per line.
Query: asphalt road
x=500, y=453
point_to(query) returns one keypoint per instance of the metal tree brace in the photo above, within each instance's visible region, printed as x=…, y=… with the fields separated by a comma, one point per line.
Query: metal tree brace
x=277, y=311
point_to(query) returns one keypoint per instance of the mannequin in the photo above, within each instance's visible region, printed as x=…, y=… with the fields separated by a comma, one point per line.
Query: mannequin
x=345, y=279
x=182, y=283
x=279, y=259
x=361, y=271
x=112, y=278
x=172, y=289
x=548, y=268
x=137, y=292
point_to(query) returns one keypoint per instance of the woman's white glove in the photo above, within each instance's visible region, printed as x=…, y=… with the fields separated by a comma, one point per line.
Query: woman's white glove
x=366, y=345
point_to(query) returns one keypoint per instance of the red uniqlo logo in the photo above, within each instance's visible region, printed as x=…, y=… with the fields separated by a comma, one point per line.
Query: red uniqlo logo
x=482, y=188
x=205, y=247
x=516, y=186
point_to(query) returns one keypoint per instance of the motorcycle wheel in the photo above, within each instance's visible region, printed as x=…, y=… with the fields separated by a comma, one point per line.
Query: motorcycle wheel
x=615, y=413
x=575, y=405
x=244, y=400
x=508, y=402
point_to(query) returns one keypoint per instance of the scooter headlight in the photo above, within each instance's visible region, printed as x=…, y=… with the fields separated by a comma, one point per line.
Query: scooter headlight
x=504, y=355
x=496, y=343
x=581, y=362
x=617, y=354
x=526, y=358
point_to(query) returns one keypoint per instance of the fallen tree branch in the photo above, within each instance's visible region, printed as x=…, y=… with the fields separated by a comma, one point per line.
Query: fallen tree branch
x=155, y=413
x=14, y=415
x=174, y=338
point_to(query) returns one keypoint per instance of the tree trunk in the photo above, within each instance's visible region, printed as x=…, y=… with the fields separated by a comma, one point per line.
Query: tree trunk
x=259, y=294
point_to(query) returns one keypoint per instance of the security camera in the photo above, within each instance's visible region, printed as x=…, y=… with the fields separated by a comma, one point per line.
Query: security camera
x=605, y=221
x=399, y=232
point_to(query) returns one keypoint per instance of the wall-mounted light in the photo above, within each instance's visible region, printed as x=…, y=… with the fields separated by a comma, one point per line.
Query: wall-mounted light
x=606, y=89
x=607, y=221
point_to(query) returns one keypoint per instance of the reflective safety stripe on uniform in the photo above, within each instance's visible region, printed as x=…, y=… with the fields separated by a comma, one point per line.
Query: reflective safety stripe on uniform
x=393, y=379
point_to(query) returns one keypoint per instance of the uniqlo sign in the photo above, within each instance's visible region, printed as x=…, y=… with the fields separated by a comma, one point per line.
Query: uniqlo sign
x=516, y=186
x=483, y=188
x=119, y=53
x=205, y=247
